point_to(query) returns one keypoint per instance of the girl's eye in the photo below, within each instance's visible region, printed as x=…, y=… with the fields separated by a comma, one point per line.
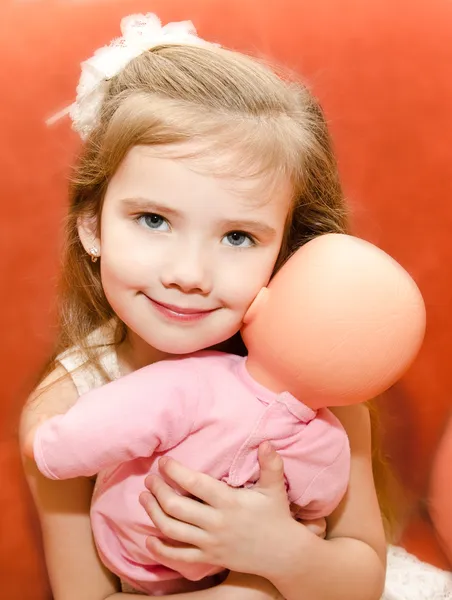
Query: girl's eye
x=154, y=221
x=239, y=239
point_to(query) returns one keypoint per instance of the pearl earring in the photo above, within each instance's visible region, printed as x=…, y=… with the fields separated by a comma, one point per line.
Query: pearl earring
x=94, y=253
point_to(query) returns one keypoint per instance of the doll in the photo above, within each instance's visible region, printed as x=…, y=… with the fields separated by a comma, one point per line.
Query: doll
x=340, y=322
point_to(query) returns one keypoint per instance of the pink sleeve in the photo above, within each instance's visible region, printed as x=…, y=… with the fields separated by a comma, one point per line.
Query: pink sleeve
x=126, y=419
x=318, y=469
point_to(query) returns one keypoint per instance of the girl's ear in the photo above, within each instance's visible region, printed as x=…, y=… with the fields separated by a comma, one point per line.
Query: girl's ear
x=87, y=232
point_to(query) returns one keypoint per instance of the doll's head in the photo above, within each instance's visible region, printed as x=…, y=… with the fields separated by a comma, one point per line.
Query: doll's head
x=230, y=105
x=338, y=324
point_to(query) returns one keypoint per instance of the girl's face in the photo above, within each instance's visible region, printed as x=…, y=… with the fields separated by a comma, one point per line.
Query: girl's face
x=184, y=254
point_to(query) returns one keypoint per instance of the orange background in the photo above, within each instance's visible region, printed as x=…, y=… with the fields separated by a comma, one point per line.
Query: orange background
x=382, y=71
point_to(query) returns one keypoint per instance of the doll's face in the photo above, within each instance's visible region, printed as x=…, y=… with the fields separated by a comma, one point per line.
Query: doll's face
x=184, y=253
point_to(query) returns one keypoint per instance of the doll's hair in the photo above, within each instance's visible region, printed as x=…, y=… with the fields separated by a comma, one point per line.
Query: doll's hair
x=226, y=102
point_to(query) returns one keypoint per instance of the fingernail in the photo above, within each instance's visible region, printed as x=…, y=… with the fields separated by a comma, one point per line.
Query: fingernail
x=142, y=498
x=163, y=461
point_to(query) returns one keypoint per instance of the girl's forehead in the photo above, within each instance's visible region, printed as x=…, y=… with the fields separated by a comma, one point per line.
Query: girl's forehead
x=167, y=167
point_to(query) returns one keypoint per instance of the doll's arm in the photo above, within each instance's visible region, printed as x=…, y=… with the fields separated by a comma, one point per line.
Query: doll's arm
x=318, y=467
x=126, y=419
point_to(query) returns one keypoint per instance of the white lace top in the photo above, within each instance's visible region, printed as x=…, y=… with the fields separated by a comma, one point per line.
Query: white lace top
x=407, y=577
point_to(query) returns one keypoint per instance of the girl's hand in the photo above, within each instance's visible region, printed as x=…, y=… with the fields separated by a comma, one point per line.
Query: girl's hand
x=239, y=529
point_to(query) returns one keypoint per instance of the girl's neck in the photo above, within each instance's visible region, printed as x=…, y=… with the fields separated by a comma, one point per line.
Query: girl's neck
x=134, y=353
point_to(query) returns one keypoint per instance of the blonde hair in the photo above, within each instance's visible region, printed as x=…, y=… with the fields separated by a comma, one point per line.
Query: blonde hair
x=223, y=100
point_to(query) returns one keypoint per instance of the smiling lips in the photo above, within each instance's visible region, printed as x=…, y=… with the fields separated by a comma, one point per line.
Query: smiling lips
x=179, y=313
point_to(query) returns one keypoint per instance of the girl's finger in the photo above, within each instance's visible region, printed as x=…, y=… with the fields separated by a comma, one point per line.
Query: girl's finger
x=180, y=507
x=171, y=552
x=317, y=527
x=271, y=476
x=171, y=528
x=209, y=490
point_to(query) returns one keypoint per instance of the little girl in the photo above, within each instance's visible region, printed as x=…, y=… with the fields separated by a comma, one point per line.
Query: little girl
x=202, y=170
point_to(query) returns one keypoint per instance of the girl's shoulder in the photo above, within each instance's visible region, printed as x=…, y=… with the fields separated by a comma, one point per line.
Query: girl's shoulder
x=72, y=376
x=53, y=396
x=86, y=374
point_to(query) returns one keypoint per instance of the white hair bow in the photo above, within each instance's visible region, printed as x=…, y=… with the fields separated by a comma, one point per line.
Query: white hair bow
x=139, y=34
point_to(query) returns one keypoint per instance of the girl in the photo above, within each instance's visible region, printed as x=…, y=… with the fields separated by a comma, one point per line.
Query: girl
x=202, y=171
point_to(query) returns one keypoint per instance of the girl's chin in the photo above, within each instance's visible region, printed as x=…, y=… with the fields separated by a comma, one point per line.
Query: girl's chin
x=181, y=349
x=184, y=347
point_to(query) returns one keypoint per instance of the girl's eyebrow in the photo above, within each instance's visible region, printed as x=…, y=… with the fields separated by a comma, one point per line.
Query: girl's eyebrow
x=147, y=205
x=249, y=225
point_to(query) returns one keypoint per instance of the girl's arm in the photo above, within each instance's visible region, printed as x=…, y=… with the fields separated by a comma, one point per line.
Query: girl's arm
x=236, y=587
x=73, y=567
x=350, y=563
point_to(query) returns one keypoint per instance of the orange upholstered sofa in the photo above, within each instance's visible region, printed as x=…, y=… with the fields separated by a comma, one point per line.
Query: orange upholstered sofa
x=382, y=71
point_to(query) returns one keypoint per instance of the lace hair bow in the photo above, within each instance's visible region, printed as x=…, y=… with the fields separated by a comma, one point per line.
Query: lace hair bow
x=139, y=34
